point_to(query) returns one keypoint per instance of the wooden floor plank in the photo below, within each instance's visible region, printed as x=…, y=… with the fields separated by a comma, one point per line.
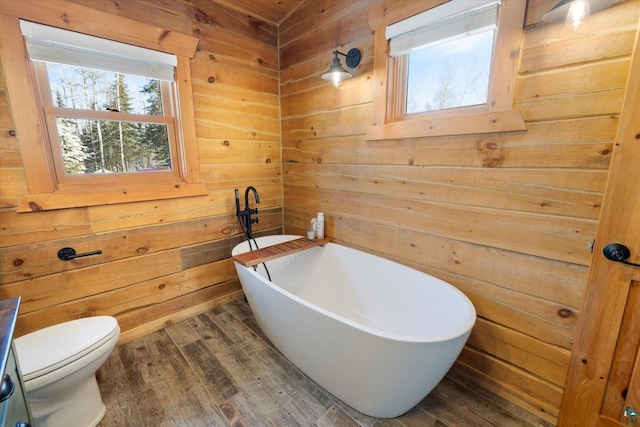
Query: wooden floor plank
x=218, y=369
x=336, y=416
x=289, y=415
x=244, y=337
x=139, y=367
x=418, y=417
x=151, y=407
x=239, y=410
x=117, y=397
x=214, y=336
x=304, y=392
x=451, y=414
x=253, y=325
x=239, y=310
x=475, y=392
x=476, y=406
x=213, y=375
x=182, y=384
x=182, y=333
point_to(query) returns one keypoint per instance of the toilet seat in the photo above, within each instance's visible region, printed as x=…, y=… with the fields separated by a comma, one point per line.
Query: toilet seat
x=42, y=351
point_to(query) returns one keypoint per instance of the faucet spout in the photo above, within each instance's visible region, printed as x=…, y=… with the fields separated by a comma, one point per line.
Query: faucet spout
x=244, y=216
x=246, y=196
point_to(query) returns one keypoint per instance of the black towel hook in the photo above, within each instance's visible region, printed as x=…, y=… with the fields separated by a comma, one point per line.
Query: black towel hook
x=67, y=254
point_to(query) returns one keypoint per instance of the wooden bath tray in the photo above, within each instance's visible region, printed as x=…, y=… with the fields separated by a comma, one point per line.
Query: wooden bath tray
x=249, y=259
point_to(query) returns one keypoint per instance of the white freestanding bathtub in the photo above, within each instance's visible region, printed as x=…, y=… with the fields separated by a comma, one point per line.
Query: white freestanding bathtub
x=376, y=334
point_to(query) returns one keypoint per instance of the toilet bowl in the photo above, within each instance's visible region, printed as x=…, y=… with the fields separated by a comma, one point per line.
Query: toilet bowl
x=58, y=367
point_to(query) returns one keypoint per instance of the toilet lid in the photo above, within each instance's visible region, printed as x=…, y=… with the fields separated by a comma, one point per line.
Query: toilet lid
x=47, y=349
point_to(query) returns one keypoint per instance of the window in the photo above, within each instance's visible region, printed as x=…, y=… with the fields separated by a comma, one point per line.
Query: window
x=448, y=70
x=108, y=106
x=109, y=121
x=446, y=55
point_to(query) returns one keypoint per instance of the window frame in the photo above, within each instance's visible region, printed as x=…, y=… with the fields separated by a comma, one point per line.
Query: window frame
x=45, y=189
x=497, y=115
x=51, y=113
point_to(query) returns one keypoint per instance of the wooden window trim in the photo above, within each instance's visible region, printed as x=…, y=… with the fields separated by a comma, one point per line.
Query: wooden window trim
x=498, y=115
x=44, y=193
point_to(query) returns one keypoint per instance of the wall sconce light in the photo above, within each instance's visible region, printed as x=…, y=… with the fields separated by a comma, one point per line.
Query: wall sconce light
x=574, y=13
x=336, y=74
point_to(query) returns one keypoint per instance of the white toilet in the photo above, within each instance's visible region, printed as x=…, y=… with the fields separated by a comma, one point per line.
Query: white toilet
x=58, y=367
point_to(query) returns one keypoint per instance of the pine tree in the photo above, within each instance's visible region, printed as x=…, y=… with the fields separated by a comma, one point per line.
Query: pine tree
x=91, y=129
x=155, y=139
x=121, y=139
x=73, y=153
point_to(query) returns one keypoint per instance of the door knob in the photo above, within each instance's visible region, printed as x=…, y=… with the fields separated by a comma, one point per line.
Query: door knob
x=619, y=253
x=8, y=386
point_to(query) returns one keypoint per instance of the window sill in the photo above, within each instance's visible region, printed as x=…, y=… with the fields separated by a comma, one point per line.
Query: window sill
x=488, y=122
x=95, y=197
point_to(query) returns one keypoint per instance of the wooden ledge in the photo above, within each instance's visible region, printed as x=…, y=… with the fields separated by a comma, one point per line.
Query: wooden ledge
x=249, y=259
x=97, y=197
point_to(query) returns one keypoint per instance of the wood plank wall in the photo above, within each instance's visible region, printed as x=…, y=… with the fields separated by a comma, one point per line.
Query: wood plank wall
x=162, y=260
x=507, y=218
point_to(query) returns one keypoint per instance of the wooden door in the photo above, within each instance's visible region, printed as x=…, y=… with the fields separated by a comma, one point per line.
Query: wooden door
x=604, y=372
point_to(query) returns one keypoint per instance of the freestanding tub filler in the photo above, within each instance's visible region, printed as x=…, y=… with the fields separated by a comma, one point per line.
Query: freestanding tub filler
x=376, y=334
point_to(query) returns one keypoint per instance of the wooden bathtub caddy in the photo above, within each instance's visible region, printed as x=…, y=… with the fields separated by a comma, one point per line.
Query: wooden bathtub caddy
x=258, y=256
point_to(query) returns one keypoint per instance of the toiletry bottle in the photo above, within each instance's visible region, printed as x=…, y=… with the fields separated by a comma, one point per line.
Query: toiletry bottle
x=313, y=229
x=320, y=226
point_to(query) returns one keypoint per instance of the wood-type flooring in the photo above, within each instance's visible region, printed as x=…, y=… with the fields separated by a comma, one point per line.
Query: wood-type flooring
x=218, y=369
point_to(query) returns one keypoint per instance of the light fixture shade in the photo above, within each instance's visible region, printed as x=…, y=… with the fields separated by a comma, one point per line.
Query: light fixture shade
x=559, y=12
x=336, y=73
x=578, y=14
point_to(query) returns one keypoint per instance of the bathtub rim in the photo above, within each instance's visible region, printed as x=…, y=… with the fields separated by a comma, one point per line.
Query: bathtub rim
x=464, y=329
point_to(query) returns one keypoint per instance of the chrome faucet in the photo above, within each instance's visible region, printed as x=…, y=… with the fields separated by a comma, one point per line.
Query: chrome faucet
x=245, y=215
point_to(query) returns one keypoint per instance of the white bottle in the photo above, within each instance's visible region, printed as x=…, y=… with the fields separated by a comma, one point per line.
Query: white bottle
x=311, y=233
x=320, y=226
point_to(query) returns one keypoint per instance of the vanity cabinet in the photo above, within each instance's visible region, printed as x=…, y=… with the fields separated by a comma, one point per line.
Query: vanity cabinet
x=14, y=407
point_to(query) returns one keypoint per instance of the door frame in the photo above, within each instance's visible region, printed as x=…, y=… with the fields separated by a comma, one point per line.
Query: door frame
x=609, y=282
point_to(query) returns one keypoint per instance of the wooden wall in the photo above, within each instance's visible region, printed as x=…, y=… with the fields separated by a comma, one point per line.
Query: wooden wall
x=505, y=217
x=162, y=260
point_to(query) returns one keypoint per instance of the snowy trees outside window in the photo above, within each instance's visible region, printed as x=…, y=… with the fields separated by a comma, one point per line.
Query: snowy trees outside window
x=450, y=75
x=86, y=100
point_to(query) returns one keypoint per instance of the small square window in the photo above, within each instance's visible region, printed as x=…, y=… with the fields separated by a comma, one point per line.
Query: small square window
x=452, y=62
x=445, y=56
x=451, y=74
